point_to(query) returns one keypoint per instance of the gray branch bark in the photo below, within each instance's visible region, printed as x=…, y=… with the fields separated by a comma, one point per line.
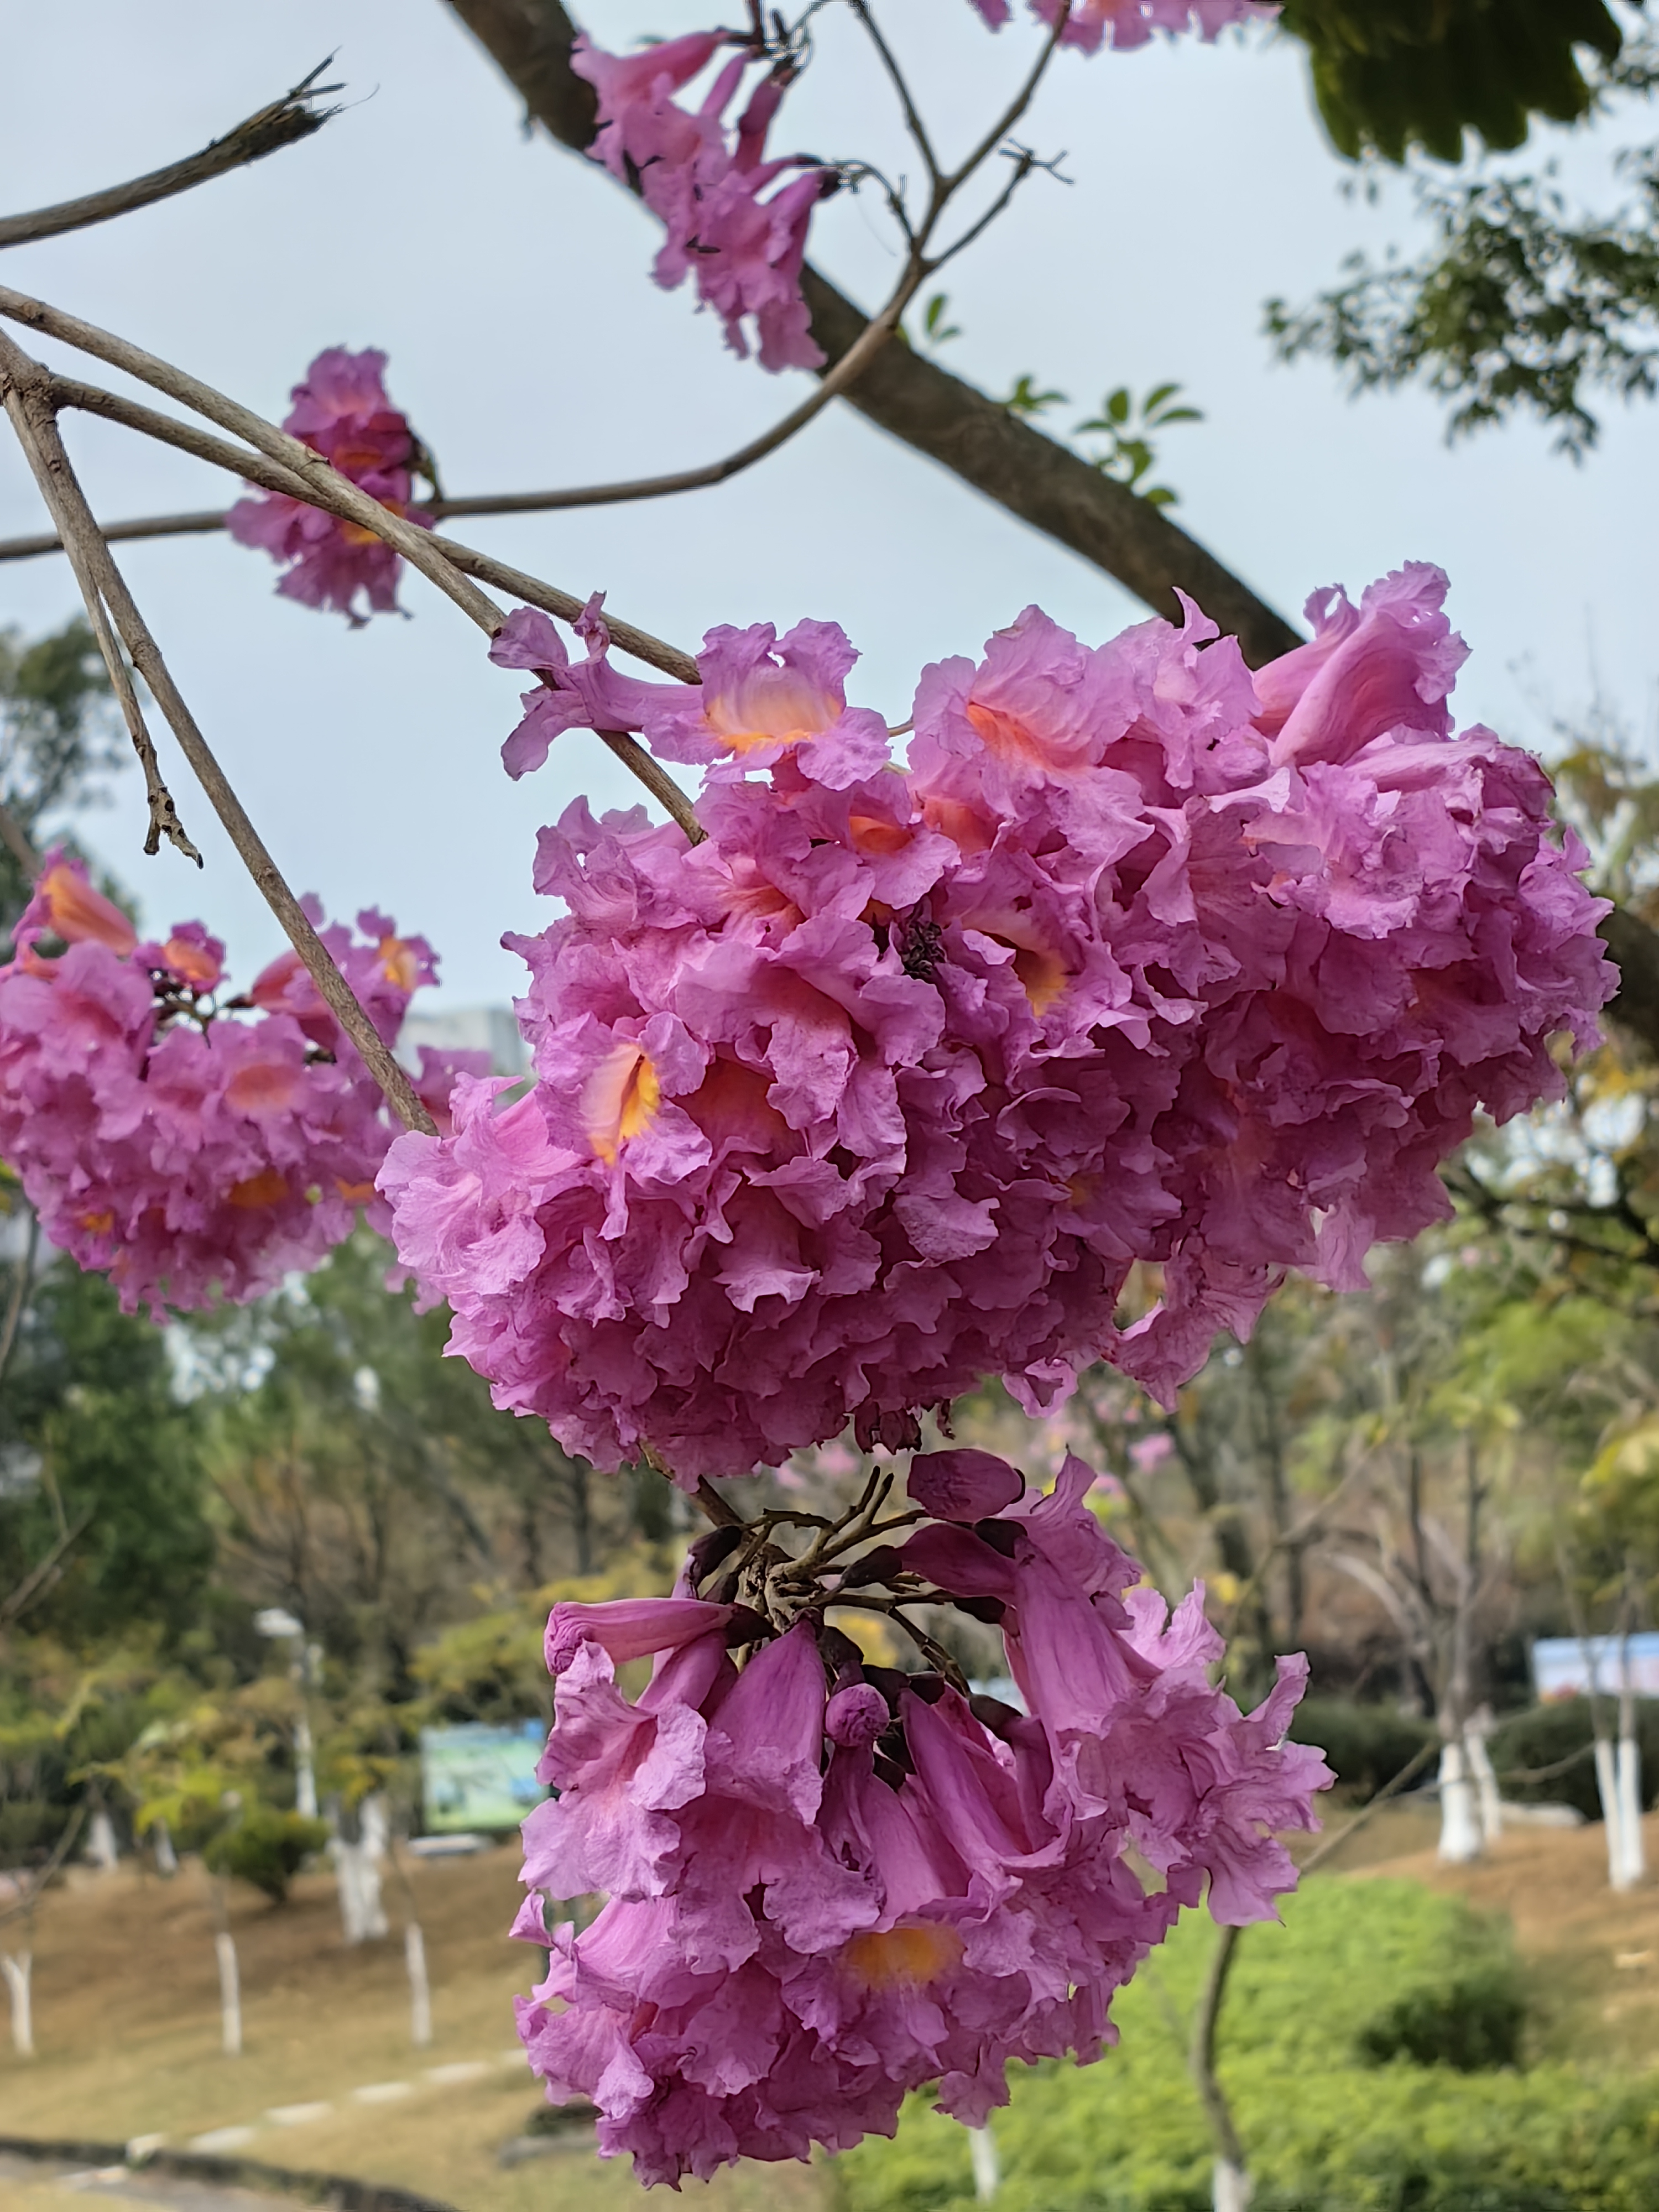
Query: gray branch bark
x=922, y=405
x=969, y=433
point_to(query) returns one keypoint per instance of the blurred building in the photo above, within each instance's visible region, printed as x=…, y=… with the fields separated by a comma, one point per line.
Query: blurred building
x=467, y=1028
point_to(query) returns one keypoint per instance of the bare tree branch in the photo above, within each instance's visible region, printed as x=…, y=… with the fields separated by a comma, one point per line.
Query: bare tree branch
x=923, y=405
x=284, y=123
x=36, y=427
x=44, y=1573
x=25, y=386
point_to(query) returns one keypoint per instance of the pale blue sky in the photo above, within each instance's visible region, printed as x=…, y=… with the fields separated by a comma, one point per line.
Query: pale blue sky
x=512, y=292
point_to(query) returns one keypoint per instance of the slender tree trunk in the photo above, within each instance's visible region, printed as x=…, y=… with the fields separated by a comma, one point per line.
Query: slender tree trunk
x=1628, y=1775
x=581, y=1520
x=420, y=1990
x=1230, y=2181
x=1488, y=1801
x=1606, y=1769
x=19, y=1971
x=166, y=1859
x=230, y=1994
x=1613, y=1816
x=987, y=2170
x=419, y=1987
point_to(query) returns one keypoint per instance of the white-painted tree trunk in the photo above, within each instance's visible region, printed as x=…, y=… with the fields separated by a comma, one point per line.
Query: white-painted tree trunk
x=19, y=1971
x=987, y=2170
x=1628, y=1788
x=362, y=1915
x=1460, y=1828
x=230, y=1994
x=102, y=1851
x=1607, y=1789
x=305, y=1769
x=1230, y=2189
x=420, y=1990
x=166, y=1859
x=1488, y=1802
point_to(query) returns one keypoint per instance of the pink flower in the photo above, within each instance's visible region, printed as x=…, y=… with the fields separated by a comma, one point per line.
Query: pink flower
x=1132, y=22
x=829, y=1888
x=746, y=250
x=188, y=1154
x=887, y=1085
x=342, y=411
x=585, y=694
x=761, y=701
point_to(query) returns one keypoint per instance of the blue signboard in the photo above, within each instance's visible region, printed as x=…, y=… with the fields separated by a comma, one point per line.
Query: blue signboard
x=474, y=1777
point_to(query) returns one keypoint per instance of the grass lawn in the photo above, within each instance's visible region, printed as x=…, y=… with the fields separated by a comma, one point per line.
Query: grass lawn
x=127, y=2024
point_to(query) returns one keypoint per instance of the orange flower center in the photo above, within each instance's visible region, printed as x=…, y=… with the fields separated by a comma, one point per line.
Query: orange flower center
x=905, y=1958
x=268, y=1187
x=74, y=911
x=620, y=1100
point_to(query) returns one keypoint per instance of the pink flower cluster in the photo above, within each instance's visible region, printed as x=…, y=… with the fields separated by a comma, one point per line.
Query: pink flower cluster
x=341, y=411
x=188, y=1155
x=705, y=179
x=830, y=1884
x=887, y=1085
x=1132, y=22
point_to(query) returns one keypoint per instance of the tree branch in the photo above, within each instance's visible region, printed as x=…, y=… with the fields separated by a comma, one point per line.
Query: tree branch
x=1635, y=946
x=284, y=123
x=36, y=433
x=923, y=405
x=304, y=474
x=26, y=385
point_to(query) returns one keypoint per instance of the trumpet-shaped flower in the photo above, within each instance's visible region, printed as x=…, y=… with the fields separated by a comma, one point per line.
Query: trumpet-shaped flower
x=181, y=1150
x=889, y=1082
x=1089, y=23
x=340, y=411
x=711, y=184
x=830, y=1887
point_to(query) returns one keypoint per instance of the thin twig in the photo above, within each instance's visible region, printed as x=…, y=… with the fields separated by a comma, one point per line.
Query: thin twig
x=1022, y=100
x=1208, y=2019
x=19, y=1600
x=913, y=122
x=284, y=123
x=24, y=1909
x=23, y=378
x=851, y=365
x=416, y=545
x=722, y=1514
x=117, y=533
x=17, y=839
x=19, y=1291
x=32, y=420
x=270, y=475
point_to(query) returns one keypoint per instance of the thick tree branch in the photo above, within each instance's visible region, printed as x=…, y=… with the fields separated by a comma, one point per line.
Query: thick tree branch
x=1635, y=946
x=284, y=123
x=922, y=405
x=25, y=387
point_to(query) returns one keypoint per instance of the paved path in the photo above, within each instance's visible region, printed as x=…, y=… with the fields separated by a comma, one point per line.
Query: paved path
x=220, y=2142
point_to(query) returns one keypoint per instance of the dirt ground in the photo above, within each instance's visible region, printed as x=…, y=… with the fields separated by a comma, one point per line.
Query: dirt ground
x=1591, y=1956
x=126, y=2027
x=127, y=2024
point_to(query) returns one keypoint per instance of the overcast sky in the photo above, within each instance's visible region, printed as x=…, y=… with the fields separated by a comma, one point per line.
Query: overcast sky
x=529, y=346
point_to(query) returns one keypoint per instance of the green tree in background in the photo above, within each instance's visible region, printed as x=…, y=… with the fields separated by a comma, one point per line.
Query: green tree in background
x=96, y=1442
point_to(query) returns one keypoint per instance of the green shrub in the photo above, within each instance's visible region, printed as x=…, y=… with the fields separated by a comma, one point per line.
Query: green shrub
x=1551, y=1735
x=1471, y=2023
x=265, y=1848
x=1364, y=1746
x=1324, y=2131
